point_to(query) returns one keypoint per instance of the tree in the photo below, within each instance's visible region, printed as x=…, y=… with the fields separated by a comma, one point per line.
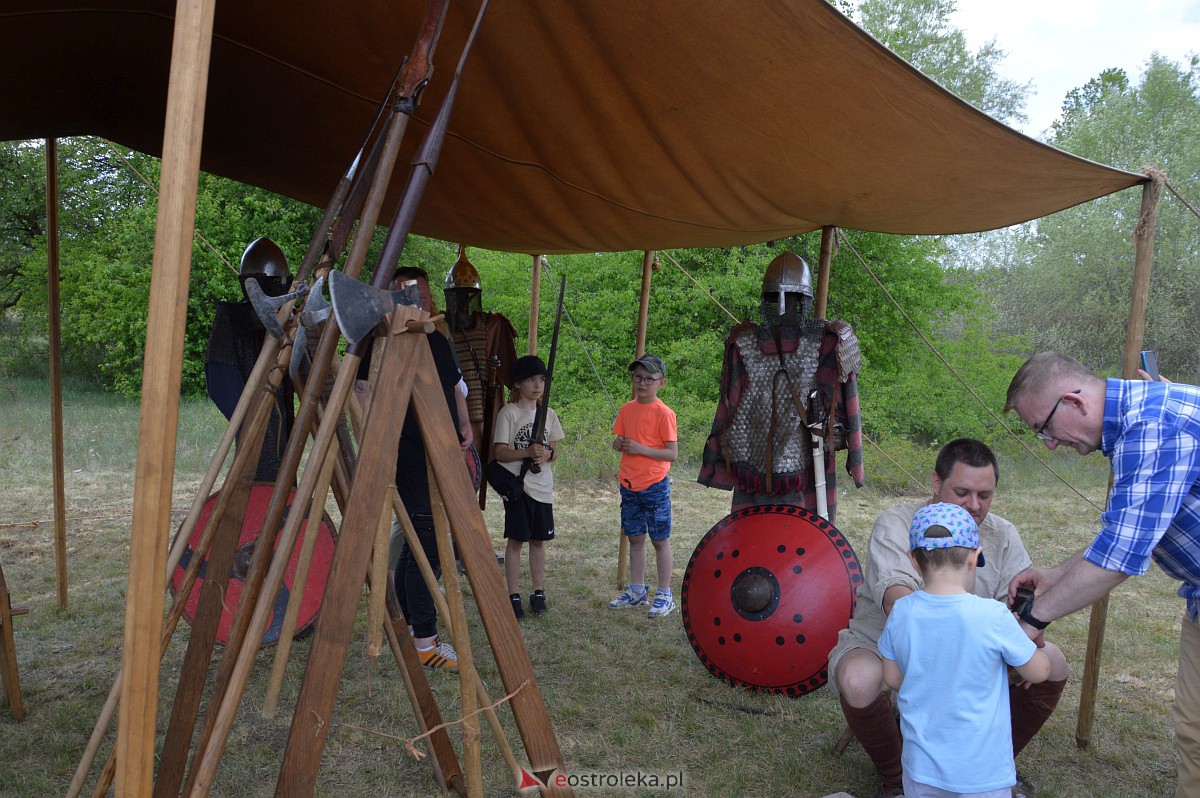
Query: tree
x=106, y=229
x=1067, y=279
x=919, y=31
x=23, y=218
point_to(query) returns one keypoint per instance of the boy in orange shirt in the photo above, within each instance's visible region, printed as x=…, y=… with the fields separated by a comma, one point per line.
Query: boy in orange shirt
x=648, y=442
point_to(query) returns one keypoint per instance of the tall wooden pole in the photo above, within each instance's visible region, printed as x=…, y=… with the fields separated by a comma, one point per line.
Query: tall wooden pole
x=1143, y=261
x=155, y=468
x=644, y=301
x=649, y=263
x=535, y=295
x=821, y=297
x=56, y=399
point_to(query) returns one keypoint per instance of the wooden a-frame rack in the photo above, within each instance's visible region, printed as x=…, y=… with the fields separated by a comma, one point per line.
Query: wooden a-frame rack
x=406, y=371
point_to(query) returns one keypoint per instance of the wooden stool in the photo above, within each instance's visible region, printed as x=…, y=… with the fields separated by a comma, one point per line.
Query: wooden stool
x=8, y=652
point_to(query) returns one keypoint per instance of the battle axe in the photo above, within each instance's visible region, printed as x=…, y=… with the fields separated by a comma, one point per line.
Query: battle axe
x=316, y=311
x=359, y=308
x=267, y=308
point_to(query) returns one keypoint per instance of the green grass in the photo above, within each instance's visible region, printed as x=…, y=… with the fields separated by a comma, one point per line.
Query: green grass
x=624, y=693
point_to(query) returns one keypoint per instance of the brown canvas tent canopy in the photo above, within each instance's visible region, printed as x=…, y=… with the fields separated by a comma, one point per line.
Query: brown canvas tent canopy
x=589, y=125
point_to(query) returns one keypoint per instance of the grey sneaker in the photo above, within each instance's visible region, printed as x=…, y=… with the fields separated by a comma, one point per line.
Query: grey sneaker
x=664, y=604
x=628, y=598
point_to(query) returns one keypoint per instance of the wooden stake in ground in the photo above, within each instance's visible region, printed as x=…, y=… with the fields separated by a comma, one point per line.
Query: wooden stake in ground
x=265, y=358
x=155, y=469
x=9, y=677
x=1143, y=240
x=649, y=266
x=56, y=397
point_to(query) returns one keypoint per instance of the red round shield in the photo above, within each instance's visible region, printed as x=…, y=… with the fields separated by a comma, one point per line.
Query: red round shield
x=764, y=596
x=314, y=585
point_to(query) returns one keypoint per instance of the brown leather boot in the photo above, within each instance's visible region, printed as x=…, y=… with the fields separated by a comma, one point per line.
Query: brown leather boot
x=875, y=728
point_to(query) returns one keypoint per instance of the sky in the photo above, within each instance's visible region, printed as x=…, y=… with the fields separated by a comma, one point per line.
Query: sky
x=1060, y=45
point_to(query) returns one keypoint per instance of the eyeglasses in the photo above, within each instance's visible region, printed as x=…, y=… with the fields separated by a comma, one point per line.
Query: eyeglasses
x=641, y=380
x=1042, y=435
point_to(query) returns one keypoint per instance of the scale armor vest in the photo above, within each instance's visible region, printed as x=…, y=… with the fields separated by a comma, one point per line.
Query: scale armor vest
x=470, y=346
x=745, y=439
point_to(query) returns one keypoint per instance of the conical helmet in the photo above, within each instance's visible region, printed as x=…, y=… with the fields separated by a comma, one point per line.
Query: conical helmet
x=787, y=274
x=263, y=256
x=462, y=274
x=264, y=262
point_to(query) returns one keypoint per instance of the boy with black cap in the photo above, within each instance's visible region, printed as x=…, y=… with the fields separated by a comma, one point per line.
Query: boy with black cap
x=648, y=441
x=945, y=651
x=528, y=515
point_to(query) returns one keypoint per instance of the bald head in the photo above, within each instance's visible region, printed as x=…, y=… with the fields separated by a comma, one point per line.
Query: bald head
x=1042, y=373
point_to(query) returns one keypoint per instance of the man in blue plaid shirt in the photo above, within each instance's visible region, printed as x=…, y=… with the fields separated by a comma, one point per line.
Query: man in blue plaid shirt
x=1150, y=431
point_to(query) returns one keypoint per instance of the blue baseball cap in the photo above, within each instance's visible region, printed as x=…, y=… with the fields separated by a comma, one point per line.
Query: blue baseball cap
x=954, y=519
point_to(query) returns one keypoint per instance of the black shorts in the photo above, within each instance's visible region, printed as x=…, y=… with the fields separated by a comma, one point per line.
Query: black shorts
x=528, y=519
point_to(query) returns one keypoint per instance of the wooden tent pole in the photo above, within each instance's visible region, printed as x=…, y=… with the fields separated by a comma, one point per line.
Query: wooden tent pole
x=56, y=398
x=155, y=468
x=535, y=295
x=1143, y=242
x=821, y=297
x=648, y=260
x=649, y=263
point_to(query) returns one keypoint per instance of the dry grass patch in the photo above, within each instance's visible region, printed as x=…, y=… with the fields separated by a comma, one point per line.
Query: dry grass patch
x=625, y=693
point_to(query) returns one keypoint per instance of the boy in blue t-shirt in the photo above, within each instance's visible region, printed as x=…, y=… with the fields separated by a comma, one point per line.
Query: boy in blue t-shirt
x=945, y=651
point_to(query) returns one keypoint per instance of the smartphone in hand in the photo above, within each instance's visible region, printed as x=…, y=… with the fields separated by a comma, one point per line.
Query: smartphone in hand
x=1150, y=363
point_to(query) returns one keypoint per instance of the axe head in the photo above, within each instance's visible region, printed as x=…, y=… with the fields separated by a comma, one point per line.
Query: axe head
x=359, y=308
x=316, y=308
x=299, y=365
x=267, y=307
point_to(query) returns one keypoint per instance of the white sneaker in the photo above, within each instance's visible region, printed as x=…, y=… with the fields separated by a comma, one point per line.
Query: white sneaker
x=629, y=598
x=664, y=604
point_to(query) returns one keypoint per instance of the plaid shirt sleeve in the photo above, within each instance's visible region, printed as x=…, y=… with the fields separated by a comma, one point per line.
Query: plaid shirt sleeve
x=1155, y=464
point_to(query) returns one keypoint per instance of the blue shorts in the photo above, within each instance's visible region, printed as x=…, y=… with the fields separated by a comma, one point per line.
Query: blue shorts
x=647, y=510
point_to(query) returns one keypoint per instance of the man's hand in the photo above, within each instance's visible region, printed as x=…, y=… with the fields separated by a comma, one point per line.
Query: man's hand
x=1035, y=579
x=1146, y=376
